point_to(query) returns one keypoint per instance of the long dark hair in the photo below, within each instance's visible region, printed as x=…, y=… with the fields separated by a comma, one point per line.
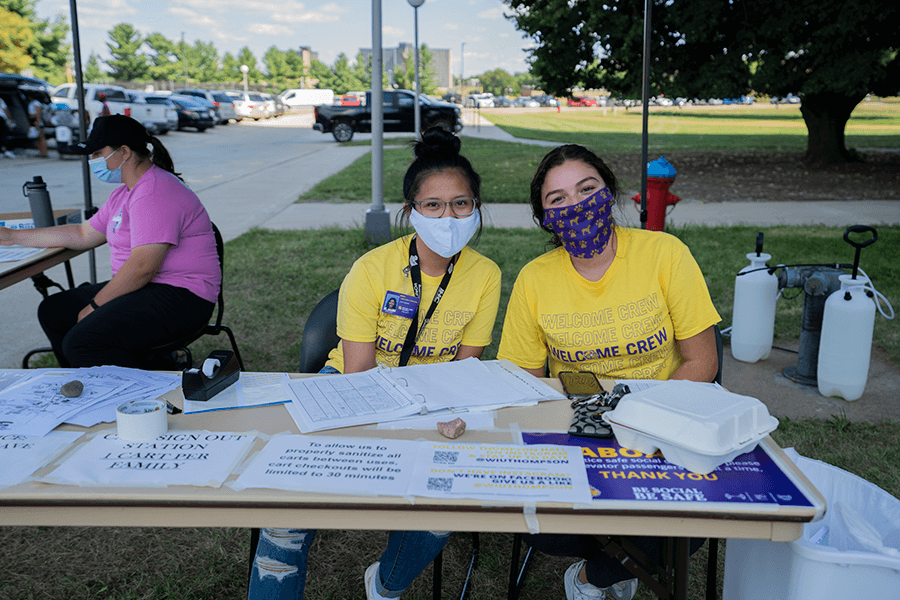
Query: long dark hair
x=159, y=156
x=436, y=152
x=555, y=158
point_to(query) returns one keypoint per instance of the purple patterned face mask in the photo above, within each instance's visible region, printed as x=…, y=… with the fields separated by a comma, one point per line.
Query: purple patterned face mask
x=583, y=228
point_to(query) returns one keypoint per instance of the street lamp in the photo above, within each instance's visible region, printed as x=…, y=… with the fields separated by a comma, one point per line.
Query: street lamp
x=245, y=69
x=416, y=4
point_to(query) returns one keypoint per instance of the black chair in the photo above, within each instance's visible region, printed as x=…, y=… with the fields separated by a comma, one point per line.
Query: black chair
x=319, y=334
x=319, y=338
x=517, y=574
x=181, y=345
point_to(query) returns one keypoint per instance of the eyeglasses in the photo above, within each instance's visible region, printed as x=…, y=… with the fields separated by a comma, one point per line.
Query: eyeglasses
x=434, y=209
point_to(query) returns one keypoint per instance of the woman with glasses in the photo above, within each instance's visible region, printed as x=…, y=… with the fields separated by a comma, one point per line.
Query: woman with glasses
x=424, y=298
x=622, y=303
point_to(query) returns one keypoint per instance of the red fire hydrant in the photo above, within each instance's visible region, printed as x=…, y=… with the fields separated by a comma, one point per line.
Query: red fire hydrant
x=660, y=176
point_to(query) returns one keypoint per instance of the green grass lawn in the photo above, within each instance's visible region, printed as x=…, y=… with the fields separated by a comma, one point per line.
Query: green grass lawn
x=506, y=168
x=714, y=128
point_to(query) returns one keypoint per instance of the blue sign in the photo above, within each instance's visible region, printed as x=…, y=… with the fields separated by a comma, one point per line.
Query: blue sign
x=617, y=473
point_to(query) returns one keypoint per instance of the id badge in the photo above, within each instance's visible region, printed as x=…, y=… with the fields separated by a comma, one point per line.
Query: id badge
x=402, y=305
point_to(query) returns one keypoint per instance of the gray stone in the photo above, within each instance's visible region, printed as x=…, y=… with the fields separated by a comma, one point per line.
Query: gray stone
x=72, y=389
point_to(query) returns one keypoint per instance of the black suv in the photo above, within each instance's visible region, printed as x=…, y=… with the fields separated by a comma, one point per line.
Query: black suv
x=17, y=91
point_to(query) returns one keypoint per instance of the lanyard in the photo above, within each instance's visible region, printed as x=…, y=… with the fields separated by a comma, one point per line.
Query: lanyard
x=414, y=331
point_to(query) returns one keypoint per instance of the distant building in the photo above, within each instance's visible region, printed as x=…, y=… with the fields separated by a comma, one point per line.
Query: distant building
x=392, y=59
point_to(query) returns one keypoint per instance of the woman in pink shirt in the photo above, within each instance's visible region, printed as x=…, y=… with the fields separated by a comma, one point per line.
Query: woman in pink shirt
x=166, y=273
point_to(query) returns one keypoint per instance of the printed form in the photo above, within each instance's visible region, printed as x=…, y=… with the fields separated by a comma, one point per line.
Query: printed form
x=319, y=403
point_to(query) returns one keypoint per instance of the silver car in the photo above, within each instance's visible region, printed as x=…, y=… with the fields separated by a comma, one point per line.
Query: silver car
x=249, y=104
x=225, y=104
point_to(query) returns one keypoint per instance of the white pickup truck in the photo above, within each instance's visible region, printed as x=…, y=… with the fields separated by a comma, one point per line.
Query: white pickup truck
x=155, y=117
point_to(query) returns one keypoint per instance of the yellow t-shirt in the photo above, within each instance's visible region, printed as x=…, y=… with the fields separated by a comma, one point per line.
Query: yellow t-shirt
x=465, y=315
x=622, y=327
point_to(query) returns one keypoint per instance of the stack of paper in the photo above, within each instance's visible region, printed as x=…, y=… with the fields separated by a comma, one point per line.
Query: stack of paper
x=386, y=394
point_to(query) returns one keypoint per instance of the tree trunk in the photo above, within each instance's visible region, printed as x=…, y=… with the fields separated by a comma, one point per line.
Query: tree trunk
x=826, y=116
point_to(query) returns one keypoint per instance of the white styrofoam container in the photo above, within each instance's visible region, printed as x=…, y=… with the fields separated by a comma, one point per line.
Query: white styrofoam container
x=696, y=426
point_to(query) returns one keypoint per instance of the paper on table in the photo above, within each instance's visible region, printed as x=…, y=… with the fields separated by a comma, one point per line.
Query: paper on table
x=333, y=401
x=251, y=389
x=501, y=472
x=471, y=384
x=8, y=378
x=332, y=464
x=22, y=455
x=201, y=458
x=36, y=406
x=137, y=385
x=15, y=253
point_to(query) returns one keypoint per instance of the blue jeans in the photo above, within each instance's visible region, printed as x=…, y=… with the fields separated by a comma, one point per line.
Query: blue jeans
x=279, y=568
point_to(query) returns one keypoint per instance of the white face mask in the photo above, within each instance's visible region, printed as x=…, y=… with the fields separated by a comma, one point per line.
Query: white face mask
x=445, y=236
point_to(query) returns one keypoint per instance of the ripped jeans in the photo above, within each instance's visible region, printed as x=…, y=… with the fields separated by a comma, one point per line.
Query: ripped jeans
x=279, y=568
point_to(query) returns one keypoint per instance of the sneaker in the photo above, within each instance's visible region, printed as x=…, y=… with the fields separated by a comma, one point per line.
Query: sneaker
x=575, y=590
x=371, y=574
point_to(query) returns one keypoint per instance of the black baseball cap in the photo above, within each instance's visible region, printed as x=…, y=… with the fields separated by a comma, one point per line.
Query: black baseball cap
x=112, y=130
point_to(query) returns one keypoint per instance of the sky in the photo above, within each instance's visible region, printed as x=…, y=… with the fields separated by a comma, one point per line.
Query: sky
x=328, y=27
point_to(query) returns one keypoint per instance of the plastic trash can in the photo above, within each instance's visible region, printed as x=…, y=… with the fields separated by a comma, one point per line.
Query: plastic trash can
x=852, y=552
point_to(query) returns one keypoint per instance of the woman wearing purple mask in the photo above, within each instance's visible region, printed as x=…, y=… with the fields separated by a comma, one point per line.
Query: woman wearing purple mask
x=623, y=303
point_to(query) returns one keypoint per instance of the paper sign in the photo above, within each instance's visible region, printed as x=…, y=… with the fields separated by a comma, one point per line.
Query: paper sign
x=22, y=455
x=332, y=464
x=202, y=458
x=617, y=473
x=500, y=472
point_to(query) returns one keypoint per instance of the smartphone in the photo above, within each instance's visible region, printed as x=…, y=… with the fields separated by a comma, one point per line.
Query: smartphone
x=580, y=383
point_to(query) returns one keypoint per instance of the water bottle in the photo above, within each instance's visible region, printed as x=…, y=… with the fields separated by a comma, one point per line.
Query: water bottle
x=39, y=198
x=753, y=317
x=846, y=343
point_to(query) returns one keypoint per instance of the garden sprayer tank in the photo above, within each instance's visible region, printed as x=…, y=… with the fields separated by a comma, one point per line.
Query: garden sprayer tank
x=848, y=324
x=753, y=318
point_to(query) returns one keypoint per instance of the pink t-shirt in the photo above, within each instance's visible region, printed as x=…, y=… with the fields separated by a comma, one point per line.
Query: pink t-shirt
x=160, y=209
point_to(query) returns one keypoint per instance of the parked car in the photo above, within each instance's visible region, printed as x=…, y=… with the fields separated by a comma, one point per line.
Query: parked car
x=547, y=100
x=191, y=113
x=248, y=104
x=225, y=104
x=399, y=115
x=347, y=100
x=526, y=102
x=503, y=102
x=453, y=98
x=94, y=95
x=485, y=100
x=204, y=97
x=157, y=118
x=576, y=101
x=276, y=106
x=789, y=99
x=17, y=91
x=296, y=98
x=171, y=108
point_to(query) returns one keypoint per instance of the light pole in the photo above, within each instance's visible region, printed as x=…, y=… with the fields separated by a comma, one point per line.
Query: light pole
x=462, y=68
x=418, y=117
x=245, y=69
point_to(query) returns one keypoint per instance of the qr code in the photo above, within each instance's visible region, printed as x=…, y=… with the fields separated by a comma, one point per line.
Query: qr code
x=445, y=458
x=440, y=484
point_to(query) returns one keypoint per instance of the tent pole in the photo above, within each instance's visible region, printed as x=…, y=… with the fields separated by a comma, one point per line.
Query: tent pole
x=82, y=125
x=645, y=99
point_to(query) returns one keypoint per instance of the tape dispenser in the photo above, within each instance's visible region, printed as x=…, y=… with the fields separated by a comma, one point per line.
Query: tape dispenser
x=219, y=370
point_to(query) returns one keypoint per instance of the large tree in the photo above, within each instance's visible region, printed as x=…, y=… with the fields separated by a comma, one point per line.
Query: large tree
x=16, y=36
x=47, y=49
x=164, y=60
x=127, y=63
x=829, y=52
